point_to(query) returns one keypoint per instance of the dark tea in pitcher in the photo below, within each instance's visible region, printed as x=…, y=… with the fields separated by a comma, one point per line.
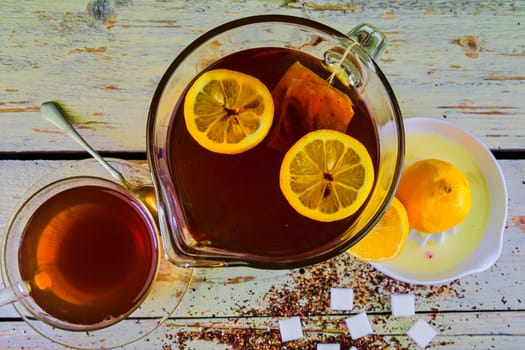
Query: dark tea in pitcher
x=89, y=254
x=235, y=201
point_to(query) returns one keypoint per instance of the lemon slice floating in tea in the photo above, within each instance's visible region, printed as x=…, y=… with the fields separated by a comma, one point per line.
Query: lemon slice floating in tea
x=387, y=239
x=227, y=111
x=326, y=175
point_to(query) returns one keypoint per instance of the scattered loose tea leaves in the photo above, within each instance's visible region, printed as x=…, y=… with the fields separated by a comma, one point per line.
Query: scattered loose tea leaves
x=306, y=293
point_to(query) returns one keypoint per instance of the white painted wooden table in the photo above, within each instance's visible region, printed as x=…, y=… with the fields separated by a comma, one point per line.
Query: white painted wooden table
x=462, y=60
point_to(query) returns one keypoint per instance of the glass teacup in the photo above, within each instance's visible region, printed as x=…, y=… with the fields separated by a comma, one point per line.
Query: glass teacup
x=85, y=249
x=240, y=219
x=81, y=256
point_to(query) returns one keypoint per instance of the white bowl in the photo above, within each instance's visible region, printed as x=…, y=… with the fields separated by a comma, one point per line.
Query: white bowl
x=475, y=244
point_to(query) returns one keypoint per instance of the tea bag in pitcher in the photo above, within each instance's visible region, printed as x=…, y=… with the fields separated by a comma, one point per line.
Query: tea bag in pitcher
x=305, y=102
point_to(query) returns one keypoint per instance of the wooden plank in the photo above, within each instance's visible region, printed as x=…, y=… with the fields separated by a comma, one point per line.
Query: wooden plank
x=455, y=330
x=250, y=292
x=105, y=72
x=459, y=60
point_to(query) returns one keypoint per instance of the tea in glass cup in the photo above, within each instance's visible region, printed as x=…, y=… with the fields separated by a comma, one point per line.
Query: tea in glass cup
x=86, y=249
x=130, y=211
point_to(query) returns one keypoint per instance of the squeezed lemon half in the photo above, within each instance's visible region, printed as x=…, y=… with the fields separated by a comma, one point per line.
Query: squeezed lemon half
x=228, y=111
x=326, y=175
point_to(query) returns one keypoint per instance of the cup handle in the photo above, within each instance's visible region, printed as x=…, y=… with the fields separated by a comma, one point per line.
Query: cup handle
x=371, y=39
x=11, y=294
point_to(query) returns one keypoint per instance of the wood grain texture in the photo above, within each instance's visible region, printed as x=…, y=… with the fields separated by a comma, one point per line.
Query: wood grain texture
x=476, y=311
x=463, y=60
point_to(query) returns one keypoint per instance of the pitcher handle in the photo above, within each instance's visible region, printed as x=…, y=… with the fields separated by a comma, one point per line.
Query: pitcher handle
x=371, y=39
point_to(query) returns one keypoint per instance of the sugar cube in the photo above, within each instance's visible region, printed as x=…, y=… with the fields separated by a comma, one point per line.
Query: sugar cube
x=328, y=347
x=421, y=333
x=291, y=329
x=403, y=305
x=358, y=325
x=341, y=298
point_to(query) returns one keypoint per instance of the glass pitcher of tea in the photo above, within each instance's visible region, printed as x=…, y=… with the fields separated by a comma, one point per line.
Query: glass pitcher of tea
x=273, y=142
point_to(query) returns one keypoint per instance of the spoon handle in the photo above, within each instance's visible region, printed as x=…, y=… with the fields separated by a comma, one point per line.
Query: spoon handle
x=16, y=291
x=51, y=112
